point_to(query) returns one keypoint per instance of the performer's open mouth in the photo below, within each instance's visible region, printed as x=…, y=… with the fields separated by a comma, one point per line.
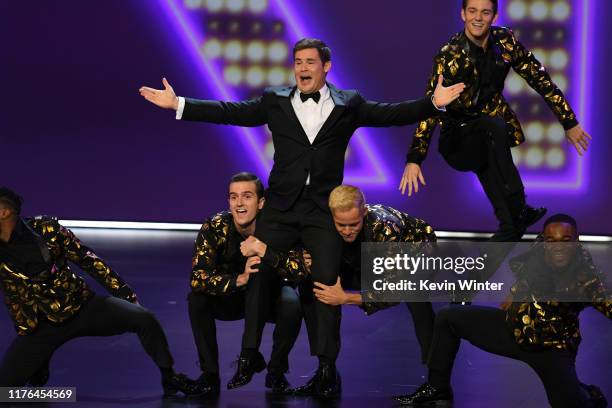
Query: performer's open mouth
x=304, y=79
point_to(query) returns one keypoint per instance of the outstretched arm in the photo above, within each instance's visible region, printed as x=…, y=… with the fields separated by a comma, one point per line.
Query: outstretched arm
x=244, y=113
x=408, y=112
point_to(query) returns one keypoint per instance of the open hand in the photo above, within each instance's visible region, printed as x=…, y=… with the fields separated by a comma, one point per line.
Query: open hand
x=164, y=98
x=443, y=95
x=579, y=138
x=412, y=176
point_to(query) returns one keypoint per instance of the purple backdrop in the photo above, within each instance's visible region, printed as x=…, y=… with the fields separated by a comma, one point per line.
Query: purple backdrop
x=79, y=142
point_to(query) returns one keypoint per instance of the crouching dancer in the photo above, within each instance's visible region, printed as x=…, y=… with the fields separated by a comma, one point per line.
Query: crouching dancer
x=51, y=305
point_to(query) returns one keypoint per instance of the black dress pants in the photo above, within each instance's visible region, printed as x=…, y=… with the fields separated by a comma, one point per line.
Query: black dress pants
x=307, y=223
x=423, y=317
x=485, y=328
x=482, y=146
x=422, y=312
x=205, y=309
x=100, y=316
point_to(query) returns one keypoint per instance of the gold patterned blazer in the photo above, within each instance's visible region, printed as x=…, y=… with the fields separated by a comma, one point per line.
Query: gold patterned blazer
x=55, y=294
x=549, y=324
x=217, y=260
x=386, y=224
x=457, y=65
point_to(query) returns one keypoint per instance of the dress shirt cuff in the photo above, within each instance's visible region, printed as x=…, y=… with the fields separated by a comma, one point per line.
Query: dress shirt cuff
x=442, y=109
x=181, y=108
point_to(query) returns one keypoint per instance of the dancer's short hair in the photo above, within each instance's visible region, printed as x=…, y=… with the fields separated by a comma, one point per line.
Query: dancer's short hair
x=465, y=2
x=563, y=218
x=10, y=199
x=246, y=176
x=346, y=197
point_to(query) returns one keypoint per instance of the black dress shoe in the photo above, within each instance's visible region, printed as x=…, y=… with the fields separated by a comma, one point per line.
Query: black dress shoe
x=309, y=389
x=597, y=399
x=530, y=215
x=427, y=396
x=209, y=384
x=277, y=382
x=330, y=383
x=175, y=383
x=247, y=367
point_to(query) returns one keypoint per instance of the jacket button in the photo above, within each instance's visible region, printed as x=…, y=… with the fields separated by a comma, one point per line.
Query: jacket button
x=313, y=148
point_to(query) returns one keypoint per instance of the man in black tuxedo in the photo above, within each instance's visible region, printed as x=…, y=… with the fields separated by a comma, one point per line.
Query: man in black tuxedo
x=311, y=125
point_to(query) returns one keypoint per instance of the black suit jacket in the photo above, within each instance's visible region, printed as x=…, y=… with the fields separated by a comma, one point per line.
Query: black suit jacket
x=294, y=155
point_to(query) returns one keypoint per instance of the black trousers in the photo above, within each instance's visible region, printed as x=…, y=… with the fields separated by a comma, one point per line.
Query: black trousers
x=423, y=317
x=100, y=316
x=485, y=328
x=307, y=223
x=204, y=309
x=482, y=146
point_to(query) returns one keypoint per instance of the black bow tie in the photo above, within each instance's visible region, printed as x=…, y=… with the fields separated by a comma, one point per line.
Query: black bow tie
x=315, y=96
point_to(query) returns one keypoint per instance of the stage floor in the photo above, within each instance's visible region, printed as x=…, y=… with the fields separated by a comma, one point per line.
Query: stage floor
x=379, y=356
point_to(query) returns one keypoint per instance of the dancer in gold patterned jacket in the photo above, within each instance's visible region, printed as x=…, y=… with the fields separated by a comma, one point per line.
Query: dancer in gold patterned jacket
x=226, y=254
x=555, y=281
x=358, y=222
x=50, y=304
x=479, y=128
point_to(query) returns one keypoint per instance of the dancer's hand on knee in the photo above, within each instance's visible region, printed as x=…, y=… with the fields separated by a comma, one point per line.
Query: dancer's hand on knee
x=164, y=98
x=579, y=138
x=331, y=295
x=411, y=178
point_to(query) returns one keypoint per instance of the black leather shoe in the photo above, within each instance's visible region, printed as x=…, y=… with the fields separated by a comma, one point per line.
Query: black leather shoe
x=175, y=383
x=209, y=384
x=309, y=389
x=330, y=383
x=427, y=396
x=277, y=382
x=530, y=215
x=247, y=367
x=597, y=399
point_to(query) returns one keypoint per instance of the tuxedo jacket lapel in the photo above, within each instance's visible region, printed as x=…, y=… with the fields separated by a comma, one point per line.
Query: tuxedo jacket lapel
x=339, y=108
x=284, y=95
